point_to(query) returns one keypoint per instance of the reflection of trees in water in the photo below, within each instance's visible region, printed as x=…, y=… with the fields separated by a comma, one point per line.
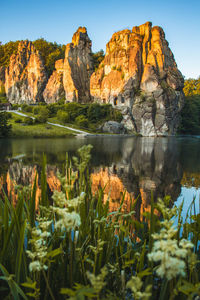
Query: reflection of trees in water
x=138, y=165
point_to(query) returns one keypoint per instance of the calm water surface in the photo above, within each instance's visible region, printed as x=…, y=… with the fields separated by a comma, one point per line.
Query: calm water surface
x=165, y=166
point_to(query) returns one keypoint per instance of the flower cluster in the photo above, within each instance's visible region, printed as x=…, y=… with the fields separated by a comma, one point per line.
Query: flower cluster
x=169, y=252
x=38, y=243
x=135, y=284
x=62, y=207
x=98, y=281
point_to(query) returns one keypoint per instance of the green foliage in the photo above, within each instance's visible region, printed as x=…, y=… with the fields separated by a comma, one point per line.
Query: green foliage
x=6, y=51
x=94, y=112
x=36, y=110
x=50, y=52
x=15, y=106
x=28, y=121
x=75, y=109
x=82, y=121
x=61, y=101
x=98, y=58
x=63, y=116
x=43, y=115
x=24, y=107
x=190, y=116
x=5, y=129
x=27, y=108
x=18, y=120
x=192, y=87
x=3, y=99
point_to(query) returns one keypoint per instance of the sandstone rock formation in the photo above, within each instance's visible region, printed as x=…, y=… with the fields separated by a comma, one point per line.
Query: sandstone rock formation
x=2, y=80
x=72, y=76
x=140, y=76
x=78, y=67
x=25, y=78
x=54, y=90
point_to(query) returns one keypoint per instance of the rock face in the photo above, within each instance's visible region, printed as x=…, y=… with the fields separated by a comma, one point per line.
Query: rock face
x=2, y=80
x=113, y=127
x=139, y=75
x=54, y=90
x=25, y=78
x=78, y=67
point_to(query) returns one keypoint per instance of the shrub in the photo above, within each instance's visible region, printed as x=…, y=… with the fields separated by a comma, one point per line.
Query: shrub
x=75, y=109
x=15, y=106
x=9, y=115
x=53, y=108
x=28, y=108
x=63, y=116
x=43, y=115
x=118, y=116
x=36, y=110
x=24, y=106
x=94, y=112
x=3, y=99
x=81, y=121
x=61, y=101
x=28, y=121
x=18, y=120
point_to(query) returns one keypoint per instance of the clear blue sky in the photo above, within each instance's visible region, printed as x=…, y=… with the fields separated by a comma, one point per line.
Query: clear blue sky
x=57, y=20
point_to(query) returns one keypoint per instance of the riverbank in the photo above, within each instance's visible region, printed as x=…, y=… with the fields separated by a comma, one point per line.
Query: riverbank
x=21, y=130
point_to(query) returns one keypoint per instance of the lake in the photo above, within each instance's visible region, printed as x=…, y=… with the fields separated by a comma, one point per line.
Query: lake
x=138, y=165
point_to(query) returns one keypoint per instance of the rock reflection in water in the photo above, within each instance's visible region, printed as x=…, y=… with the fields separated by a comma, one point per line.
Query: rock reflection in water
x=138, y=166
x=148, y=165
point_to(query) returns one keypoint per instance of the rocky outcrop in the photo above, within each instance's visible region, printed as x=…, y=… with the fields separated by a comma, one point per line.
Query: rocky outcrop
x=113, y=127
x=78, y=67
x=2, y=80
x=139, y=75
x=54, y=90
x=25, y=78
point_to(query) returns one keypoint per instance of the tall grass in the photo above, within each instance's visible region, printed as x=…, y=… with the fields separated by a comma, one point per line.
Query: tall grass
x=71, y=247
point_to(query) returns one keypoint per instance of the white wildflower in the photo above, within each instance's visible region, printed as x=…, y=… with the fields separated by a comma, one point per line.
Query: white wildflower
x=76, y=201
x=68, y=220
x=98, y=281
x=59, y=198
x=35, y=266
x=135, y=284
x=168, y=252
x=38, y=243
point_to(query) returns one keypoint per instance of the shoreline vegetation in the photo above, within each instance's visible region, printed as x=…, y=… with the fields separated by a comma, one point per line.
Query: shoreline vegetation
x=68, y=245
x=84, y=117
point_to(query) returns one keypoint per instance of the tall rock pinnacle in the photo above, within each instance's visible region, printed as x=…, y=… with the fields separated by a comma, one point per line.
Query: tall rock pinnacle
x=139, y=75
x=25, y=78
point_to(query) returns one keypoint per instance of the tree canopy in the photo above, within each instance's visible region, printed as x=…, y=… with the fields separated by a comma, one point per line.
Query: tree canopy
x=190, y=115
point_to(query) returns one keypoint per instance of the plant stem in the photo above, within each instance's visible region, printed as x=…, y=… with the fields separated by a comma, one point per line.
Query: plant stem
x=48, y=286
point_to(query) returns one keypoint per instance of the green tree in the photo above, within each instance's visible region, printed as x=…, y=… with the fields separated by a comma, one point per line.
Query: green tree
x=63, y=116
x=6, y=51
x=50, y=52
x=43, y=115
x=5, y=129
x=82, y=121
x=98, y=58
